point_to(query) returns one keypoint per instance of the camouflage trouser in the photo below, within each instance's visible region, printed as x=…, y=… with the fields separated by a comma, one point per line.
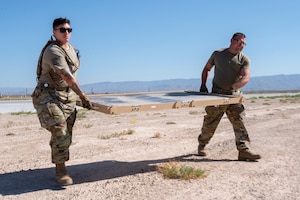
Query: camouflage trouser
x=235, y=114
x=59, y=119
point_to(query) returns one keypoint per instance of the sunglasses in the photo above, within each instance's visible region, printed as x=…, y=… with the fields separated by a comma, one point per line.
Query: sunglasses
x=63, y=30
x=240, y=42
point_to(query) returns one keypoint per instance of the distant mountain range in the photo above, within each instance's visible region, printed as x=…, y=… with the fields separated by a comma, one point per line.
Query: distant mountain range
x=259, y=83
x=256, y=84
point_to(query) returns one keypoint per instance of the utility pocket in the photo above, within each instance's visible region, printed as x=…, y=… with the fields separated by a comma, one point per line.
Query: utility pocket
x=50, y=114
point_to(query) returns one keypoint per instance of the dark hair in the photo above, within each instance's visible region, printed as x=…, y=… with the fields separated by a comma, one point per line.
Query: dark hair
x=60, y=21
x=238, y=34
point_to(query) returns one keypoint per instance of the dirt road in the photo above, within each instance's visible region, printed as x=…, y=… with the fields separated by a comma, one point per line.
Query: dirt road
x=124, y=167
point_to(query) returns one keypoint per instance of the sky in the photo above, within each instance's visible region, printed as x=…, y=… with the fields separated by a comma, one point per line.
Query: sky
x=146, y=40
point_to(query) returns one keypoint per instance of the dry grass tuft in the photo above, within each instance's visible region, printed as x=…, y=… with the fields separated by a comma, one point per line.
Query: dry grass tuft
x=114, y=135
x=133, y=121
x=168, y=123
x=174, y=170
x=87, y=125
x=22, y=113
x=157, y=135
x=9, y=124
x=81, y=114
x=194, y=112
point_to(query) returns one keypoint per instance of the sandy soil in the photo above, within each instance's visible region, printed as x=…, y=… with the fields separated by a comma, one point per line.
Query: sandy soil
x=125, y=167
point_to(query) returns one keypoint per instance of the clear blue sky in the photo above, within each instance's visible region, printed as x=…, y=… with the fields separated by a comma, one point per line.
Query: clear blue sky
x=143, y=40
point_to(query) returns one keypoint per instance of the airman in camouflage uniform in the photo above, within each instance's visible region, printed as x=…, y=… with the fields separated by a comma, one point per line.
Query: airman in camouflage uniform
x=232, y=71
x=56, y=92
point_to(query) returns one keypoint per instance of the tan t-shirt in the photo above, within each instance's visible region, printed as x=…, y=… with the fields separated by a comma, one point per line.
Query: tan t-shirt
x=54, y=58
x=227, y=68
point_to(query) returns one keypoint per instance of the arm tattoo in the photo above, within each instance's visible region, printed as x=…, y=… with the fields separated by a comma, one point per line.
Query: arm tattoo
x=66, y=75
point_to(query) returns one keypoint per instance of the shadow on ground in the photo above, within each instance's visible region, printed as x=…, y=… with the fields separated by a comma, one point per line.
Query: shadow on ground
x=43, y=179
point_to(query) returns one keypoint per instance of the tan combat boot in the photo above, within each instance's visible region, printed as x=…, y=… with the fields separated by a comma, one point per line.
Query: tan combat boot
x=246, y=155
x=61, y=175
x=201, y=151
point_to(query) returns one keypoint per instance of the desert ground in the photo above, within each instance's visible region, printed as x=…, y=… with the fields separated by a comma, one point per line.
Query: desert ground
x=105, y=164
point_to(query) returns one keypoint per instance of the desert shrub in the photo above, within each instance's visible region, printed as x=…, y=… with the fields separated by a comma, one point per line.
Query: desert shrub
x=114, y=135
x=168, y=123
x=81, y=114
x=174, y=170
x=22, y=113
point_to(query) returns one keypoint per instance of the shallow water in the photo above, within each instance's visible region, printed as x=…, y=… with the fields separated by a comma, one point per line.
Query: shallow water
x=8, y=106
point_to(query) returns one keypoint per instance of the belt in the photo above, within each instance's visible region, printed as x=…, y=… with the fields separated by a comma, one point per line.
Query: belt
x=221, y=91
x=47, y=86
